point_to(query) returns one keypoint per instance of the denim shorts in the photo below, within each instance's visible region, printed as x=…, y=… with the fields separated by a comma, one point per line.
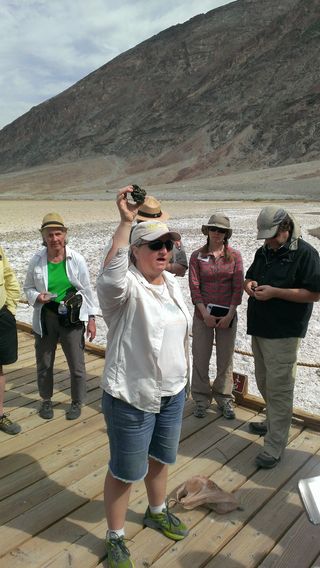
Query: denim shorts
x=135, y=435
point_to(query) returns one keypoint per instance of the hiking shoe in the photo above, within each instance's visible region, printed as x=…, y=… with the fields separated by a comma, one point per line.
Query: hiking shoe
x=199, y=411
x=227, y=409
x=9, y=427
x=258, y=428
x=74, y=411
x=118, y=555
x=266, y=461
x=46, y=410
x=167, y=523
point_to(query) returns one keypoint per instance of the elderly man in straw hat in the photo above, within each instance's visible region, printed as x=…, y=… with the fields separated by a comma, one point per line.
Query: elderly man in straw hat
x=282, y=283
x=151, y=209
x=58, y=277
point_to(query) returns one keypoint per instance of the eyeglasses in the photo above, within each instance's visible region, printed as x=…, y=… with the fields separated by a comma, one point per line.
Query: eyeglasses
x=217, y=230
x=158, y=245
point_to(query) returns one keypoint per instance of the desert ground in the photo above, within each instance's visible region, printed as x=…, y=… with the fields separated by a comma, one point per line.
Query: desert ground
x=91, y=224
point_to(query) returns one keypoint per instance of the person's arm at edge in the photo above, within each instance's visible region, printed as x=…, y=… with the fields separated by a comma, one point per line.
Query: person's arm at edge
x=12, y=287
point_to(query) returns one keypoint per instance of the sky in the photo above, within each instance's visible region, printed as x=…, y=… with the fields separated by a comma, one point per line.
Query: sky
x=48, y=45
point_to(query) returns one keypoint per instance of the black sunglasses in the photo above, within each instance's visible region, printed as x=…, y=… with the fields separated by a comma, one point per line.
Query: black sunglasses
x=158, y=245
x=217, y=229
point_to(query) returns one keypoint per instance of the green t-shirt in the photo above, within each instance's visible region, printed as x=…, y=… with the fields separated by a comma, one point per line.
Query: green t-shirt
x=58, y=281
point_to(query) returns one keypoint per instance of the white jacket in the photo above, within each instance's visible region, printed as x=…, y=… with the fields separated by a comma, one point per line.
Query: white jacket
x=37, y=281
x=136, y=325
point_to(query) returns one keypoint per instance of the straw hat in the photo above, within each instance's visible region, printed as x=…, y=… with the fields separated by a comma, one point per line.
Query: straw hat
x=151, y=209
x=52, y=220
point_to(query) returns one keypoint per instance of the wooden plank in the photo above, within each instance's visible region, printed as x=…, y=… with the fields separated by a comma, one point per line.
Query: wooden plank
x=53, y=546
x=137, y=494
x=272, y=520
x=299, y=547
x=36, y=431
x=53, y=476
x=22, y=528
x=253, y=489
x=13, y=462
x=54, y=461
x=48, y=483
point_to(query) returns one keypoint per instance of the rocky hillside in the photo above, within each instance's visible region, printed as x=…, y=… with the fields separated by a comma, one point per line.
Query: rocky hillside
x=237, y=88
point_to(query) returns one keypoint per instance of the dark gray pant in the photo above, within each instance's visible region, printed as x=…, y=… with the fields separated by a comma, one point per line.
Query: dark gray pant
x=72, y=343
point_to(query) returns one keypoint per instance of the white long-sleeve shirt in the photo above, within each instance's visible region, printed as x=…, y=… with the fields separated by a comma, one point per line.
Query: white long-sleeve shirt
x=37, y=281
x=136, y=322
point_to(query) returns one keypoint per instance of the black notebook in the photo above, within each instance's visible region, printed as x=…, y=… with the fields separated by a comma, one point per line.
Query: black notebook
x=217, y=311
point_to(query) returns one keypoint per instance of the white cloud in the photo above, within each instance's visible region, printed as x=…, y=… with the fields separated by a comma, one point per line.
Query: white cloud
x=48, y=46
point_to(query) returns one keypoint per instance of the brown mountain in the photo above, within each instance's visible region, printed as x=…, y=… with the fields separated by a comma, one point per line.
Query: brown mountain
x=235, y=89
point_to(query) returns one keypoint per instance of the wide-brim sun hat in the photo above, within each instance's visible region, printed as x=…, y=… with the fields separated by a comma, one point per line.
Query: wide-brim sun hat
x=151, y=231
x=219, y=220
x=268, y=221
x=52, y=220
x=151, y=209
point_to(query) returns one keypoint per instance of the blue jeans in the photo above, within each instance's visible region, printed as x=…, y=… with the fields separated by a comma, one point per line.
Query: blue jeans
x=135, y=435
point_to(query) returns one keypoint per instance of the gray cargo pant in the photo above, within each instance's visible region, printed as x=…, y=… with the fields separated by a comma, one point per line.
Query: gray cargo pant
x=72, y=343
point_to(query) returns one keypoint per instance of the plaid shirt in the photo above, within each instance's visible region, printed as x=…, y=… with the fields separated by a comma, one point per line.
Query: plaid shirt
x=215, y=280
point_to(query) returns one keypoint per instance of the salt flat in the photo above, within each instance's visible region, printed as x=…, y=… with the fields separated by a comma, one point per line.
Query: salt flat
x=91, y=223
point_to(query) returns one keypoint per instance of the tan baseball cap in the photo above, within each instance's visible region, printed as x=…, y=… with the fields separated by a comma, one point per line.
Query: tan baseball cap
x=269, y=220
x=151, y=231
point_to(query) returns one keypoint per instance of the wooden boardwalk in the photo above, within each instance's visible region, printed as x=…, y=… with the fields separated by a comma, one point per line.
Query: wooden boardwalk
x=52, y=476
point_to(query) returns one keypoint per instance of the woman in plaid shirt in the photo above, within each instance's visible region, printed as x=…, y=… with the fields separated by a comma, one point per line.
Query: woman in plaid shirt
x=216, y=286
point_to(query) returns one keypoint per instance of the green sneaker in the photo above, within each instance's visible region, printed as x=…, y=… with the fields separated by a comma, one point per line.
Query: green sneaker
x=9, y=427
x=118, y=555
x=166, y=522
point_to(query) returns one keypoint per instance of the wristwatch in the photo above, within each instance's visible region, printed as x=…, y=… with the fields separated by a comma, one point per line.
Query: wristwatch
x=92, y=318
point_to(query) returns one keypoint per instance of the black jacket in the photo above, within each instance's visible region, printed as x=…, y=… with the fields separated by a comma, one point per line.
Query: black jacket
x=295, y=265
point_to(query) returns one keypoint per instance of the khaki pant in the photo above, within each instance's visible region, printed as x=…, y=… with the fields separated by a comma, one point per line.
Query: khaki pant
x=202, y=344
x=275, y=362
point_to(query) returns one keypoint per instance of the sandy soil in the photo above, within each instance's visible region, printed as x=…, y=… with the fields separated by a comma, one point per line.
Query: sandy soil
x=22, y=215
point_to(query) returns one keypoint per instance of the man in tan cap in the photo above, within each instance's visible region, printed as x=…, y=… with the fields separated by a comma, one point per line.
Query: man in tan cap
x=151, y=209
x=282, y=283
x=57, y=285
